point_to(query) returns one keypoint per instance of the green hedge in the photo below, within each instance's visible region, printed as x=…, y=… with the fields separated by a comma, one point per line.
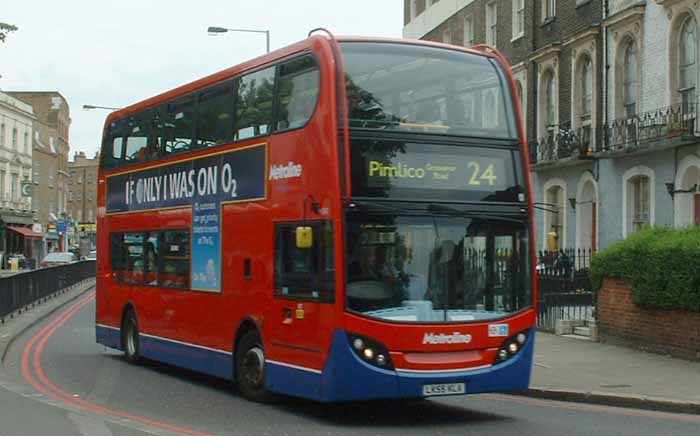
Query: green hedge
x=661, y=264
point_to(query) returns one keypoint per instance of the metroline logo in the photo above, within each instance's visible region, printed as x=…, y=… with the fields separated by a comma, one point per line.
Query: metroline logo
x=454, y=338
x=289, y=171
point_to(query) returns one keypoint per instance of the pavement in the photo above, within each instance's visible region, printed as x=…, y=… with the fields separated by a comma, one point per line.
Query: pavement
x=571, y=369
x=565, y=368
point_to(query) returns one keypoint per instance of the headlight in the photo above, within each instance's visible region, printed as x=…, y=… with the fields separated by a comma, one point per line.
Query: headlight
x=512, y=346
x=370, y=351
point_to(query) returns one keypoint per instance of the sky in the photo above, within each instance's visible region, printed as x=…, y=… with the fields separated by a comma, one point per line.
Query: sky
x=115, y=53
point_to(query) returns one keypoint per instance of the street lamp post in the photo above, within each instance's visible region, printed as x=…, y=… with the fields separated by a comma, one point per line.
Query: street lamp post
x=213, y=31
x=88, y=107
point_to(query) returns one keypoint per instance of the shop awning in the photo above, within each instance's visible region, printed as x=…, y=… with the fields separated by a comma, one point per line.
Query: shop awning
x=26, y=232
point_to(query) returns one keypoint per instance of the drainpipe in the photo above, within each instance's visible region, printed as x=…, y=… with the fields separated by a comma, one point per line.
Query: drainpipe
x=604, y=136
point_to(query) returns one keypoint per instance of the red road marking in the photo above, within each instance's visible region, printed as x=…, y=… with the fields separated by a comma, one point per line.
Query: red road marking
x=50, y=389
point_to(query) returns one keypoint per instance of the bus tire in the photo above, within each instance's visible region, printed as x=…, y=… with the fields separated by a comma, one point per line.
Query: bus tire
x=130, y=338
x=250, y=368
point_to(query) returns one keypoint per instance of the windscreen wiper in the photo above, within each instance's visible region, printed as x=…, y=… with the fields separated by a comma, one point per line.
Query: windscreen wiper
x=452, y=211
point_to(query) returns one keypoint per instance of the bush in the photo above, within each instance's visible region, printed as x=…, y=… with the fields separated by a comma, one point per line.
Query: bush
x=661, y=264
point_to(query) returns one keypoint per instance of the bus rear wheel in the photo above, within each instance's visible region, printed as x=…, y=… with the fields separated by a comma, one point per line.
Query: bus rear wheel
x=250, y=368
x=130, y=338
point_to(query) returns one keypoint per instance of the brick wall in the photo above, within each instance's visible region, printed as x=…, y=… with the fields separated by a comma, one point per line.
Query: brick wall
x=675, y=332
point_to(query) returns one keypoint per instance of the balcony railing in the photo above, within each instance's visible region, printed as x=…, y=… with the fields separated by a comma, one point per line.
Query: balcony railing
x=639, y=131
x=565, y=143
x=643, y=129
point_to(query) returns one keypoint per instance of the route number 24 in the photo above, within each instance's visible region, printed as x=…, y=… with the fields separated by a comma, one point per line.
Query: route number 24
x=478, y=176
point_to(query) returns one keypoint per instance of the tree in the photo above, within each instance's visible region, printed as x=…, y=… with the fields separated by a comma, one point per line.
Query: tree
x=5, y=29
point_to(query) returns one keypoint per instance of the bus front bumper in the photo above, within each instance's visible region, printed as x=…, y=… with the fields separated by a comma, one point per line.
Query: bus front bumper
x=346, y=377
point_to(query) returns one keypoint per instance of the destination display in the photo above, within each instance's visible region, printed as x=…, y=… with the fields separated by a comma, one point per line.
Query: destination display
x=204, y=184
x=423, y=171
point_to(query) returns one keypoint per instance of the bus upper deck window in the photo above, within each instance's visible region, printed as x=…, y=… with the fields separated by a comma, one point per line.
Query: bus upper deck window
x=254, y=104
x=215, y=116
x=297, y=92
x=179, y=126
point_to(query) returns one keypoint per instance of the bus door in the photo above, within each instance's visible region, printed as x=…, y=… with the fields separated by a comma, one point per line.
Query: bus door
x=304, y=292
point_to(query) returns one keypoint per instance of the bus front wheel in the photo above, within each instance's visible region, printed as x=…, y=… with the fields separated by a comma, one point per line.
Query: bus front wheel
x=250, y=368
x=130, y=338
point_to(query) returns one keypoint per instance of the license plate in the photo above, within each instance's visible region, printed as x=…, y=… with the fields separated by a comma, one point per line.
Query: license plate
x=444, y=389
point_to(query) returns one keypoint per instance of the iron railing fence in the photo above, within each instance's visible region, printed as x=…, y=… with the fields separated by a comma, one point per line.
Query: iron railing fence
x=638, y=130
x=628, y=133
x=22, y=289
x=565, y=142
x=565, y=290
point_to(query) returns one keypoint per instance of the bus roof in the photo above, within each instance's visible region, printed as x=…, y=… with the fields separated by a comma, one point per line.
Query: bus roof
x=264, y=59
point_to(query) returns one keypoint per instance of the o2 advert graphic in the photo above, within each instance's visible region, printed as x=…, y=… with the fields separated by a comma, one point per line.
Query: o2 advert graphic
x=202, y=183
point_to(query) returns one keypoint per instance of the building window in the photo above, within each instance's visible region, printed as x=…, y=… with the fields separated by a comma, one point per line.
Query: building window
x=447, y=36
x=15, y=187
x=491, y=23
x=586, y=89
x=629, y=79
x=554, y=220
x=687, y=61
x=14, y=138
x=550, y=103
x=468, y=32
x=2, y=135
x=518, y=18
x=2, y=184
x=586, y=101
x=640, y=202
x=637, y=199
x=26, y=142
x=549, y=9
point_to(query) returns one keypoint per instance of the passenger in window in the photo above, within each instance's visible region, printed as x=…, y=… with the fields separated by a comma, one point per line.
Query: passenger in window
x=151, y=275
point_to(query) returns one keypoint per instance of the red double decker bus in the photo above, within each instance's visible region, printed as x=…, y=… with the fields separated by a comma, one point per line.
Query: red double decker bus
x=341, y=219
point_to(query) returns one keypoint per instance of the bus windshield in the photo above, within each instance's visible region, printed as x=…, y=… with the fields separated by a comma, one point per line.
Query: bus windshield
x=436, y=269
x=412, y=88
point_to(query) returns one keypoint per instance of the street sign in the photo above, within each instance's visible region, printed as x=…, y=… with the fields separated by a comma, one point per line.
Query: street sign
x=37, y=228
x=51, y=227
x=27, y=189
x=62, y=226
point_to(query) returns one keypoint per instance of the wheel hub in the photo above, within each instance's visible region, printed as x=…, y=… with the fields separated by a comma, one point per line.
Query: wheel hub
x=254, y=366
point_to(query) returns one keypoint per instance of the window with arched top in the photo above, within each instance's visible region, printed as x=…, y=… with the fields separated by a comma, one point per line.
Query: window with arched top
x=550, y=118
x=687, y=60
x=586, y=88
x=629, y=79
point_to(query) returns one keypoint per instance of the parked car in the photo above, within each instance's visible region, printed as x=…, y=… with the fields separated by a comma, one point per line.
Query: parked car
x=58, y=258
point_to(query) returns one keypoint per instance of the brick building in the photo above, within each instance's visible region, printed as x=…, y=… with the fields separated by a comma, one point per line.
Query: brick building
x=82, y=195
x=609, y=96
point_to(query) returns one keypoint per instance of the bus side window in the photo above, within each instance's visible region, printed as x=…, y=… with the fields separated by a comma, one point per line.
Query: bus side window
x=215, y=119
x=127, y=257
x=297, y=92
x=306, y=273
x=113, y=146
x=137, y=138
x=174, y=259
x=254, y=104
x=179, y=126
